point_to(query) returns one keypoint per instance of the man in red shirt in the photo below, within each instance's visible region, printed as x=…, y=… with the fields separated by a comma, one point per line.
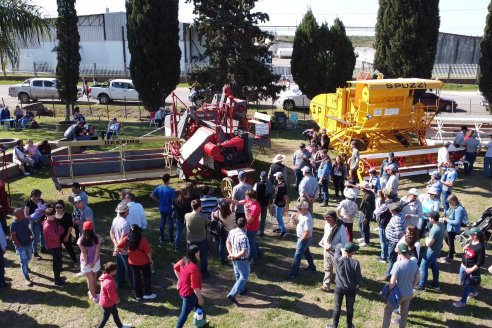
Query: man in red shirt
x=252, y=211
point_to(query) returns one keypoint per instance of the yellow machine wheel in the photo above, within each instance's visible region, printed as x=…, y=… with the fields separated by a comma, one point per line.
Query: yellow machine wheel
x=226, y=186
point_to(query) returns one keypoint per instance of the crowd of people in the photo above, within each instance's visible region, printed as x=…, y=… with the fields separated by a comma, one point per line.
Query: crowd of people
x=411, y=232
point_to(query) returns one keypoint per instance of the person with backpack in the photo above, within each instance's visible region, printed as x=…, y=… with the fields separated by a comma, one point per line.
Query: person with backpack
x=223, y=221
x=454, y=218
x=383, y=216
x=140, y=260
x=265, y=192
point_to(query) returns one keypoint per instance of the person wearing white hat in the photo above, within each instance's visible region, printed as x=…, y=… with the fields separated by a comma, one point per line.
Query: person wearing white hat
x=277, y=166
x=435, y=181
x=411, y=207
x=393, y=182
x=367, y=207
x=304, y=231
x=384, y=174
x=308, y=188
x=281, y=202
x=430, y=203
x=348, y=210
x=119, y=229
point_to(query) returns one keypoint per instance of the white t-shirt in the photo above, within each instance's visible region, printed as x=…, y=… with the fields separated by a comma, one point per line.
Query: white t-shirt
x=488, y=146
x=442, y=156
x=305, y=224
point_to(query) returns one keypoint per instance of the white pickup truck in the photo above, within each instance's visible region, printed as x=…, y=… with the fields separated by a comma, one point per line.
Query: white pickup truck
x=117, y=89
x=37, y=88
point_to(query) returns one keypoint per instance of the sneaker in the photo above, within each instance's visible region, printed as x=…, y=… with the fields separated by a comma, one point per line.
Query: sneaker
x=326, y=289
x=232, y=299
x=150, y=297
x=37, y=256
x=27, y=174
x=29, y=283
x=395, y=320
x=380, y=259
x=80, y=274
x=277, y=230
x=436, y=289
x=396, y=311
x=360, y=240
x=363, y=244
x=60, y=283
x=283, y=234
x=472, y=295
x=444, y=260
x=138, y=299
x=418, y=289
x=459, y=304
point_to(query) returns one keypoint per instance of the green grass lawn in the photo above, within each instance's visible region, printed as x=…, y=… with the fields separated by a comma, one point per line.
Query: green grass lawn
x=271, y=302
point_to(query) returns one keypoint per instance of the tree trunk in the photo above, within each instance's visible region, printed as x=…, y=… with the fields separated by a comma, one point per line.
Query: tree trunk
x=67, y=110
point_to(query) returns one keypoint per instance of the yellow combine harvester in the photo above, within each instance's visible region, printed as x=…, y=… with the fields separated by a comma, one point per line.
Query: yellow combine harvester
x=385, y=116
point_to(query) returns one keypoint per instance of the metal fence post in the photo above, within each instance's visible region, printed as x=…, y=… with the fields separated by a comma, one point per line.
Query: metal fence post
x=126, y=114
x=107, y=110
x=35, y=70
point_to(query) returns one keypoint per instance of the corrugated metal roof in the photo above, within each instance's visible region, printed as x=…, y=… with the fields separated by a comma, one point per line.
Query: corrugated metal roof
x=113, y=23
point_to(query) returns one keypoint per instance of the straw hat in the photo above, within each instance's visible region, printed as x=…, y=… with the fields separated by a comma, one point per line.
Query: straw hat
x=349, y=193
x=278, y=158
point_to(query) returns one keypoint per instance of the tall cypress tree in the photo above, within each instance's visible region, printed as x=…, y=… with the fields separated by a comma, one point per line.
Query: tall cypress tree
x=235, y=47
x=153, y=42
x=406, y=37
x=485, y=62
x=68, y=55
x=323, y=58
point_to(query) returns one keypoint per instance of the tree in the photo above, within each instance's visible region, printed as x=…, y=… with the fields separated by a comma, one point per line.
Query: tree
x=323, y=58
x=153, y=41
x=236, y=49
x=21, y=23
x=406, y=37
x=485, y=61
x=67, y=54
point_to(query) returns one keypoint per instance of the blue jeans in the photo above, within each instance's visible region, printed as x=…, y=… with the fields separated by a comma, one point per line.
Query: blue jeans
x=203, y=245
x=429, y=260
x=487, y=166
x=280, y=220
x=180, y=225
x=324, y=191
x=365, y=229
x=253, y=245
x=166, y=218
x=444, y=196
x=37, y=235
x=123, y=269
x=302, y=248
x=189, y=303
x=264, y=212
x=299, y=177
x=221, y=247
x=25, y=254
x=2, y=268
x=383, y=241
x=468, y=288
x=392, y=256
x=242, y=271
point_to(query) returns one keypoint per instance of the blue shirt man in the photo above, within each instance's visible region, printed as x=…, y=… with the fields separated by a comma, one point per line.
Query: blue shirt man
x=448, y=179
x=165, y=196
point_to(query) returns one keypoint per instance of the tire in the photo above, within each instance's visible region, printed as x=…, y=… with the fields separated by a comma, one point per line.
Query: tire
x=24, y=98
x=104, y=99
x=289, y=105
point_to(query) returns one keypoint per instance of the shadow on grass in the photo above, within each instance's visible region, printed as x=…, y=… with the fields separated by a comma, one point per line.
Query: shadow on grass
x=14, y=319
x=51, y=297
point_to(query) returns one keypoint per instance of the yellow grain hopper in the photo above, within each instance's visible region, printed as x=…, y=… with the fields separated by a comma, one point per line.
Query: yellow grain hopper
x=385, y=116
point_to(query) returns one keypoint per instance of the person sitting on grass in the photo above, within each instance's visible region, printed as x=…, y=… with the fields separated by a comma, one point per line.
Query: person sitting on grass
x=108, y=298
x=90, y=262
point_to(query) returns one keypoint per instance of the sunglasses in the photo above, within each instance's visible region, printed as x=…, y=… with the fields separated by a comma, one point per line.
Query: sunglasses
x=58, y=207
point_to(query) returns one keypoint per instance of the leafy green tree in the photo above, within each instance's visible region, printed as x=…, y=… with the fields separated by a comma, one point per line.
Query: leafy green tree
x=20, y=23
x=323, y=58
x=406, y=37
x=485, y=62
x=236, y=49
x=68, y=54
x=153, y=41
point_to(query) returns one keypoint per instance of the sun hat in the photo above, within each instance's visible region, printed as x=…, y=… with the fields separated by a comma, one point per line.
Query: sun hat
x=331, y=214
x=349, y=193
x=278, y=158
x=306, y=169
x=365, y=185
x=413, y=191
x=88, y=225
x=278, y=175
x=121, y=207
x=77, y=199
x=351, y=247
x=475, y=231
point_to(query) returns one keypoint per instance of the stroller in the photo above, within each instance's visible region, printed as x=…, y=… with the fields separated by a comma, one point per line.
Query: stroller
x=485, y=225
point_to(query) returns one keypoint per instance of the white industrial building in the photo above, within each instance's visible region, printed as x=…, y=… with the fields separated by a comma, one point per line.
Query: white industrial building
x=103, y=48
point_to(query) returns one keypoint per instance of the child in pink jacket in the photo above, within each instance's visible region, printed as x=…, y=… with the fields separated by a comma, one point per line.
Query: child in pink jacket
x=108, y=297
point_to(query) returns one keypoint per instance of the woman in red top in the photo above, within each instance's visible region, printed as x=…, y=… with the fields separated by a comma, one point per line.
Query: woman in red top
x=140, y=260
x=189, y=283
x=52, y=232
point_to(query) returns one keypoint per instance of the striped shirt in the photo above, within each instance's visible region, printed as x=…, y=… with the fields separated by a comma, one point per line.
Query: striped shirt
x=239, y=241
x=209, y=204
x=395, y=228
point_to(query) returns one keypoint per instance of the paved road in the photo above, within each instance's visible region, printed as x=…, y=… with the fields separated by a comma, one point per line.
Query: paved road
x=468, y=101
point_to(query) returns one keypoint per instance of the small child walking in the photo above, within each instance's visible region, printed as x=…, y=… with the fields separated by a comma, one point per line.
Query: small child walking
x=108, y=298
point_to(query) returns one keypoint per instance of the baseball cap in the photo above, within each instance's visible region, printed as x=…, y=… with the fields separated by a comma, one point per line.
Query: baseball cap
x=475, y=231
x=413, y=191
x=263, y=175
x=122, y=207
x=88, y=225
x=77, y=199
x=391, y=154
x=241, y=175
x=351, y=247
x=306, y=169
x=330, y=214
x=278, y=175
x=403, y=248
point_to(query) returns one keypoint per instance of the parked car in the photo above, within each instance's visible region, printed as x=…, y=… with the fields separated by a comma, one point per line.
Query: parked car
x=117, y=89
x=484, y=102
x=430, y=99
x=37, y=88
x=291, y=99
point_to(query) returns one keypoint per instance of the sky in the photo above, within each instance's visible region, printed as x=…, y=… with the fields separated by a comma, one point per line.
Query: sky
x=457, y=16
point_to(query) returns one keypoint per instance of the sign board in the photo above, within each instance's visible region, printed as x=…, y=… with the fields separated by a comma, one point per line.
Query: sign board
x=391, y=111
x=262, y=129
x=126, y=141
